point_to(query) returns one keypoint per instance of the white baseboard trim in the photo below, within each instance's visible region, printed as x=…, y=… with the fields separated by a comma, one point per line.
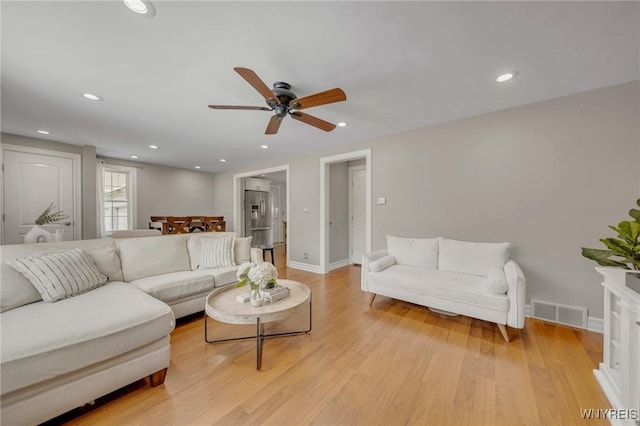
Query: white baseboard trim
x=304, y=267
x=339, y=264
x=593, y=324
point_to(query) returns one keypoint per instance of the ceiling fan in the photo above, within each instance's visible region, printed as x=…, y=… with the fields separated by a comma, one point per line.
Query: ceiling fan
x=283, y=101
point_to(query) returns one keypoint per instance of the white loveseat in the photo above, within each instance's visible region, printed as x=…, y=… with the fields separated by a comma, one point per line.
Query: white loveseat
x=61, y=355
x=473, y=279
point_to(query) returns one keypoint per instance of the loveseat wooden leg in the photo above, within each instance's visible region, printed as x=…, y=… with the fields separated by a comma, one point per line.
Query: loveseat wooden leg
x=373, y=297
x=157, y=378
x=503, y=331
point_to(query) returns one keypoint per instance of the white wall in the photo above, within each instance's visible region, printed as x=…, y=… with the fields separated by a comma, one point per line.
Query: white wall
x=547, y=177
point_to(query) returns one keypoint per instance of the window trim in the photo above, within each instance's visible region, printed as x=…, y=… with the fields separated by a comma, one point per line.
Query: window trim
x=132, y=186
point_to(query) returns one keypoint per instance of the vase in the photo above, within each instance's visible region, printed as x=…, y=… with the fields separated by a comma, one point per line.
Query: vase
x=37, y=234
x=256, y=298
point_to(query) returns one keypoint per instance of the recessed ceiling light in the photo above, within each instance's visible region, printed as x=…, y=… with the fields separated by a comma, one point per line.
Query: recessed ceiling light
x=506, y=76
x=141, y=7
x=92, y=96
x=264, y=146
x=44, y=132
x=197, y=167
x=153, y=146
x=342, y=124
x=135, y=157
x=222, y=160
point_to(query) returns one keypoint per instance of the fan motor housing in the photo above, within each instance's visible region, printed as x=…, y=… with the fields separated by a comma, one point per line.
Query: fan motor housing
x=281, y=90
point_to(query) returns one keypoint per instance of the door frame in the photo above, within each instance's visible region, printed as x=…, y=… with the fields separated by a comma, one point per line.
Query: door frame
x=76, y=161
x=325, y=162
x=238, y=198
x=351, y=170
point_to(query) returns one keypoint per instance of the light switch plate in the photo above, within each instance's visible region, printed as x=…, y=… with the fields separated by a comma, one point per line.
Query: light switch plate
x=382, y=201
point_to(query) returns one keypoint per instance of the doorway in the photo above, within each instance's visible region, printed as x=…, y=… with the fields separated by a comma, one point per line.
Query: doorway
x=33, y=179
x=325, y=207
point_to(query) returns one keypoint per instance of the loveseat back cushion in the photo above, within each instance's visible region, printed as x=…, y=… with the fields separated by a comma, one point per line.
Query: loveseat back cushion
x=496, y=281
x=107, y=261
x=242, y=250
x=414, y=251
x=194, y=245
x=471, y=258
x=60, y=275
x=146, y=256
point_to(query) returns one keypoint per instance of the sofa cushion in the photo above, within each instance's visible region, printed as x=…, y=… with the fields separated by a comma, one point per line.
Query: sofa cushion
x=242, y=250
x=216, y=253
x=382, y=263
x=472, y=258
x=496, y=281
x=414, y=251
x=80, y=331
x=223, y=276
x=16, y=290
x=146, y=256
x=447, y=285
x=175, y=285
x=107, y=261
x=59, y=275
x=194, y=246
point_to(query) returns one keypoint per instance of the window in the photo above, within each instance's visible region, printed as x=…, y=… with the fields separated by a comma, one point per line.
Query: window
x=118, y=198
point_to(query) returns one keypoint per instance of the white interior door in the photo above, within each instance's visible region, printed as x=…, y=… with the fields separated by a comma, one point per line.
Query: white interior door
x=32, y=181
x=358, y=222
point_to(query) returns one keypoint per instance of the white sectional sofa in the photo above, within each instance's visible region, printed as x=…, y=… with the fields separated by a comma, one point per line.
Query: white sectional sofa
x=61, y=355
x=473, y=279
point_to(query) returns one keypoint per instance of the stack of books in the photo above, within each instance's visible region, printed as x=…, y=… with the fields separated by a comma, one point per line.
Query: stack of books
x=276, y=293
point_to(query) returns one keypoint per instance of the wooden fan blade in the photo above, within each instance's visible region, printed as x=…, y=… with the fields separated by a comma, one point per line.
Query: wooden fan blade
x=314, y=121
x=253, y=79
x=327, y=97
x=240, y=107
x=274, y=125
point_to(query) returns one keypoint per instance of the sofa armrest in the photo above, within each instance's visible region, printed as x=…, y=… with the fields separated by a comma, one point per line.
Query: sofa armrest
x=366, y=260
x=515, y=293
x=256, y=255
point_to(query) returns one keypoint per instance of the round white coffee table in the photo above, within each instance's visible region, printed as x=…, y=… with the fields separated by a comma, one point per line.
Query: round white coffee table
x=221, y=305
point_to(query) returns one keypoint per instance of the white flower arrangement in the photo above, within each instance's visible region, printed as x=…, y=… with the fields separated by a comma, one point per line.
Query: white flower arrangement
x=258, y=276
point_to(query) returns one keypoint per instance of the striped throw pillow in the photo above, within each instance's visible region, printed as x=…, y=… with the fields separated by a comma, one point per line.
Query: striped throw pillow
x=60, y=275
x=217, y=253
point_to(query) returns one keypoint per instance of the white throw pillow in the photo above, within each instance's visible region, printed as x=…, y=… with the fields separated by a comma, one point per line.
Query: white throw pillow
x=471, y=258
x=496, y=281
x=382, y=263
x=242, y=250
x=60, y=275
x=107, y=261
x=414, y=251
x=217, y=253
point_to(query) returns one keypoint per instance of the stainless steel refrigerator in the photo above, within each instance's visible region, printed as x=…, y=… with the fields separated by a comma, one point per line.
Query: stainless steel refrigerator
x=257, y=219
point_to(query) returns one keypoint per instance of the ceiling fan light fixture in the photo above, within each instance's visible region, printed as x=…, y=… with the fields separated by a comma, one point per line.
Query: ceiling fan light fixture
x=141, y=7
x=506, y=76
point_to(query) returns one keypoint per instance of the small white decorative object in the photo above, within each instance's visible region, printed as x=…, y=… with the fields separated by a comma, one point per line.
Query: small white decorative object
x=37, y=234
x=259, y=277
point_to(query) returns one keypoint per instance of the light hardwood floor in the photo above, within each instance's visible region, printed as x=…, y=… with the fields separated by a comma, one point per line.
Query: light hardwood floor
x=395, y=363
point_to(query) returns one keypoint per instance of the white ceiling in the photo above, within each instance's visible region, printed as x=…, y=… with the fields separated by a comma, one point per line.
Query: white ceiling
x=403, y=65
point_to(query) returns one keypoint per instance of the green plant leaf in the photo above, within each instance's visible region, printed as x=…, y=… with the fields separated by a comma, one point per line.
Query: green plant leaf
x=635, y=213
x=620, y=247
x=242, y=282
x=602, y=257
x=627, y=230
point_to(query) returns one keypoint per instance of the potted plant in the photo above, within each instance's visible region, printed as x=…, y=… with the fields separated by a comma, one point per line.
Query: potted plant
x=624, y=251
x=258, y=276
